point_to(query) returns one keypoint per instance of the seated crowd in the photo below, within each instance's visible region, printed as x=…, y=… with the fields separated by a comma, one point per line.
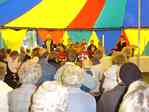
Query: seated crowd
x=71, y=79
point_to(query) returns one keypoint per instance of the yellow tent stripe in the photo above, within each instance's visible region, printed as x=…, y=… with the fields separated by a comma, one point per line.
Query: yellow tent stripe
x=65, y=38
x=132, y=35
x=13, y=39
x=50, y=14
x=95, y=38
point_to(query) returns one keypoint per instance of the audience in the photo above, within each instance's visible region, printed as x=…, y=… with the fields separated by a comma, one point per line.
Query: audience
x=68, y=79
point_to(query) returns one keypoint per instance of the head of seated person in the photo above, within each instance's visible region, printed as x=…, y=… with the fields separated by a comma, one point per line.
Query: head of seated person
x=72, y=55
x=118, y=59
x=127, y=52
x=14, y=61
x=30, y=72
x=70, y=75
x=129, y=73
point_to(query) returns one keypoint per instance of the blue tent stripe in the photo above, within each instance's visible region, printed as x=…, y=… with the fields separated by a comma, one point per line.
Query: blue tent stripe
x=144, y=13
x=131, y=13
x=3, y=2
x=110, y=39
x=15, y=8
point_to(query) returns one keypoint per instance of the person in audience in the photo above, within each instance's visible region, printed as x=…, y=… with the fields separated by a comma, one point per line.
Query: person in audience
x=71, y=55
x=52, y=60
x=13, y=64
x=20, y=98
x=4, y=90
x=112, y=74
x=65, y=95
x=127, y=52
x=97, y=70
x=88, y=83
x=136, y=100
x=111, y=100
x=35, y=52
x=48, y=70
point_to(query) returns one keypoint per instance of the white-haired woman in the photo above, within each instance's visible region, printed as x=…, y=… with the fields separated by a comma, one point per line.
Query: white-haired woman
x=20, y=98
x=136, y=99
x=64, y=95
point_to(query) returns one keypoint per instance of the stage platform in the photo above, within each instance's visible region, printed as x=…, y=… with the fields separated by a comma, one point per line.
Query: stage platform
x=144, y=62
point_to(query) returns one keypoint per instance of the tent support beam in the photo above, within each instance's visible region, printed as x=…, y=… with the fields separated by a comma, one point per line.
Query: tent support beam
x=139, y=31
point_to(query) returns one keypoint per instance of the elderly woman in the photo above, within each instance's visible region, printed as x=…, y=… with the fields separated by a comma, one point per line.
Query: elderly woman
x=20, y=98
x=4, y=89
x=136, y=100
x=66, y=95
x=112, y=74
x=110, y=101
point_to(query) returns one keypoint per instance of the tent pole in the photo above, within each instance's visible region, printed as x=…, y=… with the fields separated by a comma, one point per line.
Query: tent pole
x=139, y=31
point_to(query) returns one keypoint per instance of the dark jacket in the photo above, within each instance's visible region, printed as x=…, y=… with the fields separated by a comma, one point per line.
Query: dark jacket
x=110, y=101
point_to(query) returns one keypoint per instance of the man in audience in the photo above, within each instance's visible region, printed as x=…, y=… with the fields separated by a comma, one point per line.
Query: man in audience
x=48, y=70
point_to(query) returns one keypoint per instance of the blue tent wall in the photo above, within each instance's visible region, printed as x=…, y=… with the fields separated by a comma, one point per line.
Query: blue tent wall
x=131, y=13
x=110, y=39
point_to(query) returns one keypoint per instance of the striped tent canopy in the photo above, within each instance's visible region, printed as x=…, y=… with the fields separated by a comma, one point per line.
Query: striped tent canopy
x=59, y=19
x=72, y=13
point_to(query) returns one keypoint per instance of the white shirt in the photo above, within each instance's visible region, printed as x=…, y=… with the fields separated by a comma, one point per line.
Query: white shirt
x=111, y=76
x=4, y=90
